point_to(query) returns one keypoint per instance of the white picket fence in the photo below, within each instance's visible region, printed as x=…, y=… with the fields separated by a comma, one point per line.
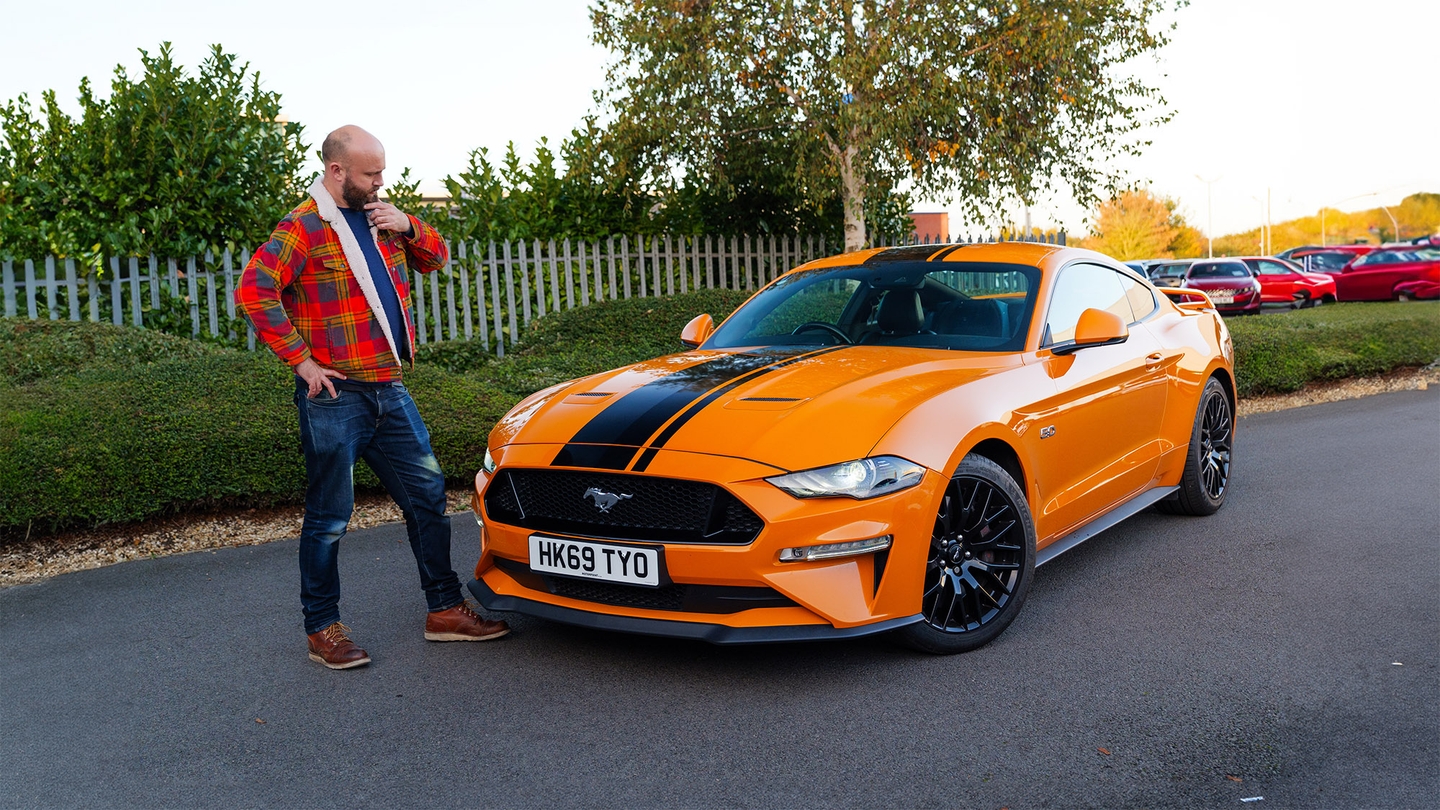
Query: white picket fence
x=487, y=292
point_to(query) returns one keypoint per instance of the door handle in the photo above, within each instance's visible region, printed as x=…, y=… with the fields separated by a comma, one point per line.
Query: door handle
x=1153, y=361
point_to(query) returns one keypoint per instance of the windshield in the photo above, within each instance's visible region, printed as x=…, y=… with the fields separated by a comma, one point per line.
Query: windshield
x=1333, y=260
x=1219, y=270
x=1398, y=256
x=949, y=305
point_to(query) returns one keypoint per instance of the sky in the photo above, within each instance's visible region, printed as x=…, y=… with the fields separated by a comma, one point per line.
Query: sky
x=1313, y=103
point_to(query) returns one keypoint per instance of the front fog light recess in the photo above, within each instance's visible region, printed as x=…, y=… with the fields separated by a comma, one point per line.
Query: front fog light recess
x=829, y=551
x=859, y=479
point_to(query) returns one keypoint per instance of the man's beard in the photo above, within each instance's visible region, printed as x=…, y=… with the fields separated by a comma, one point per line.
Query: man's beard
x=356, y=197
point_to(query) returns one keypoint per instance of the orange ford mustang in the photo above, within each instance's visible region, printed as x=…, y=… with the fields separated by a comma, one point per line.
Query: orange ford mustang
x=884, y=441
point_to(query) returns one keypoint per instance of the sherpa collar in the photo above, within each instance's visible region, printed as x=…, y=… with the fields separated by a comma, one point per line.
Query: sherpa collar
x=354, y=256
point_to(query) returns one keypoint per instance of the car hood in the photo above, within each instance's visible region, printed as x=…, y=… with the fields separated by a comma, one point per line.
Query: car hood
x=792, y=408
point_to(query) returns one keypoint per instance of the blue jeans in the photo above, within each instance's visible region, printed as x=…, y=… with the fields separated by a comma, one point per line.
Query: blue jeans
x=382, y=426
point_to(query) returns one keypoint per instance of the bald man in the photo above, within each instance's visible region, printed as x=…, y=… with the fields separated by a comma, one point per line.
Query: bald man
x=330, y=294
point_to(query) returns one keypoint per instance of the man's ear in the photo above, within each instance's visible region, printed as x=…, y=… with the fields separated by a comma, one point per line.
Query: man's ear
x=334, y=170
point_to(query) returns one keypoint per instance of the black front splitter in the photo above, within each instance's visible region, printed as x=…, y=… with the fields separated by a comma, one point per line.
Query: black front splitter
x=700, y=631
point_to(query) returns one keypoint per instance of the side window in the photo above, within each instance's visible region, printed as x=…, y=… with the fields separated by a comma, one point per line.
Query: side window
x=1142, y=301
x=1082, y=287
x=1272, y=269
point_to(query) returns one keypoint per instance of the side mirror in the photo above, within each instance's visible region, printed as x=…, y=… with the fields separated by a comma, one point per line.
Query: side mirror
x=697, y=331
x=1096, y=327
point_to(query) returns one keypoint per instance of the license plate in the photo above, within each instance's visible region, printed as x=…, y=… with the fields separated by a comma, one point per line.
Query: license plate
x=1223, y=299
x=631, y=565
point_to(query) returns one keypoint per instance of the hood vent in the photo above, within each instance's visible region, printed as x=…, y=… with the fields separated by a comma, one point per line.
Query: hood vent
x=588, y=397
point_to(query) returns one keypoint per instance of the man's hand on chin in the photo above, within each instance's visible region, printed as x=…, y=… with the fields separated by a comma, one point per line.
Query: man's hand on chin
x=387, y=217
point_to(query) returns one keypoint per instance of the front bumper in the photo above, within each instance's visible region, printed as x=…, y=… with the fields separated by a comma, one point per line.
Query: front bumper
x=730, y=593
x=1241, y=305
x=713, y=633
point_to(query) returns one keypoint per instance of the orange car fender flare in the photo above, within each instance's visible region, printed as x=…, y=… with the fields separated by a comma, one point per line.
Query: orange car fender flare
x=1002, y=434
x=1227, y=378
x=947, y=464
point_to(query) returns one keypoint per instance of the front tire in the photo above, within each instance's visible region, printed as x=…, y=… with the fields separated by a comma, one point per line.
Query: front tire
x=1207, y=463
x=981, y=561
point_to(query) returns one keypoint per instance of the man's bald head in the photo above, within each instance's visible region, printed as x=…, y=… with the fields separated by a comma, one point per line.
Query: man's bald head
x=354, y=163
x=347, y=140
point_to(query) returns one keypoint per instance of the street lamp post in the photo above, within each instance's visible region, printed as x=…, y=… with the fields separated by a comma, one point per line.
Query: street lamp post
x=1393, y=222
x=1269, y=234
x=1264, y=222
x=1209, y=217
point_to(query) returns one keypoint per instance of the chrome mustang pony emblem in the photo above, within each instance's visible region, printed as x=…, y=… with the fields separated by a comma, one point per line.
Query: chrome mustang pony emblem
x=604, y=500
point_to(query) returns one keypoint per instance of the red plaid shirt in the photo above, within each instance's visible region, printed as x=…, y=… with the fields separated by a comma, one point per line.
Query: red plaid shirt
x=303, y=301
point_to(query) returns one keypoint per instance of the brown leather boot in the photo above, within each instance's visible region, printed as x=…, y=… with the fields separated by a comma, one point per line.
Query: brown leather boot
x=333, y=648
x=461, y=623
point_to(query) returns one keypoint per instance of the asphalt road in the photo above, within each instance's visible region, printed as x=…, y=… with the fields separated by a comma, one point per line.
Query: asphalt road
x=1286, y=648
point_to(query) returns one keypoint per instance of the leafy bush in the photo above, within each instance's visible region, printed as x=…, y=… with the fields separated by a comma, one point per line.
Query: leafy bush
x=137, y=439
x=170, y=163
x=35, y=350
x=102, y=424
x=1285, y=351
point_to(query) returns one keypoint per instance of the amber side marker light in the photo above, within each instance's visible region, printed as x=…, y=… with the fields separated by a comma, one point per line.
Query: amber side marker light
x=829, y=551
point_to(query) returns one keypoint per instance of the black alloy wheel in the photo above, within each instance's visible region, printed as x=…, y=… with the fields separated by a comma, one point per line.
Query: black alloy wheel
x=980, y=562
x=1207, y=464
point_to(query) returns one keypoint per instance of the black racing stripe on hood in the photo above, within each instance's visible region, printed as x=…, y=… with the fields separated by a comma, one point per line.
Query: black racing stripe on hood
x=704, y=402
x=635, y=417
x=595, y=456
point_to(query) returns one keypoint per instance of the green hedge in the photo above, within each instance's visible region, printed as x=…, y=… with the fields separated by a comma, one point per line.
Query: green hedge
x=102, y=424
x=1281, y=352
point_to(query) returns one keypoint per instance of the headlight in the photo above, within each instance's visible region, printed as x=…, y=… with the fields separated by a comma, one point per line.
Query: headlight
x=865, y=478
x=488, y=465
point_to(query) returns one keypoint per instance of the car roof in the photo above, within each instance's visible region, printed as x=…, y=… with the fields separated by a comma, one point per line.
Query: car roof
x=1341, y=248
x=1034, y=254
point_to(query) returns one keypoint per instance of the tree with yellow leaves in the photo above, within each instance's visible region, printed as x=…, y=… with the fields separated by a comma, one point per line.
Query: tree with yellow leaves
x=1140, y=225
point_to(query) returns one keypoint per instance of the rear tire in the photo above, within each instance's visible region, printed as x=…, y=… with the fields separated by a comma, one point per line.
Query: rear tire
x=1207, y=462
x=980, y=562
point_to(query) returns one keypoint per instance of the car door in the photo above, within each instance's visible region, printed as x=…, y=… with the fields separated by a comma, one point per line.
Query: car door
x=1371, y=277
x=1278, y=282
x=1098, y=438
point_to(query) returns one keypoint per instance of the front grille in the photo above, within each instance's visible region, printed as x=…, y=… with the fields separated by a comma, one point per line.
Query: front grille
x=667, y=597
x=641, y=507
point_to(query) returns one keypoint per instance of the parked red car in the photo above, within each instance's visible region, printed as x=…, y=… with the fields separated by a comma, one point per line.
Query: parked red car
x=1283, y=282
x=1325, y=259
x=1388, y=273
x=1228, y=282
x=1418, y=291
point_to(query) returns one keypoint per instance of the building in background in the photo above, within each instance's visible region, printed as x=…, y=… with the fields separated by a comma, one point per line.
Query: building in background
x=931, y=227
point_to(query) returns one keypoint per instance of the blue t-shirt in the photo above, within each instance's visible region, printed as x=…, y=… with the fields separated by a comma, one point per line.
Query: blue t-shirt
x=389, y=299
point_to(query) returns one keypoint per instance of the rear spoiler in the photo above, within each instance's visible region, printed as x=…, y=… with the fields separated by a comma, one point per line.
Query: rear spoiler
x=1187, y=298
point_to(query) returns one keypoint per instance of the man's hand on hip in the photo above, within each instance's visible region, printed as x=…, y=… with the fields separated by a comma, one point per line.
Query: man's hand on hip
x=387, y=217
x=317, y=377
